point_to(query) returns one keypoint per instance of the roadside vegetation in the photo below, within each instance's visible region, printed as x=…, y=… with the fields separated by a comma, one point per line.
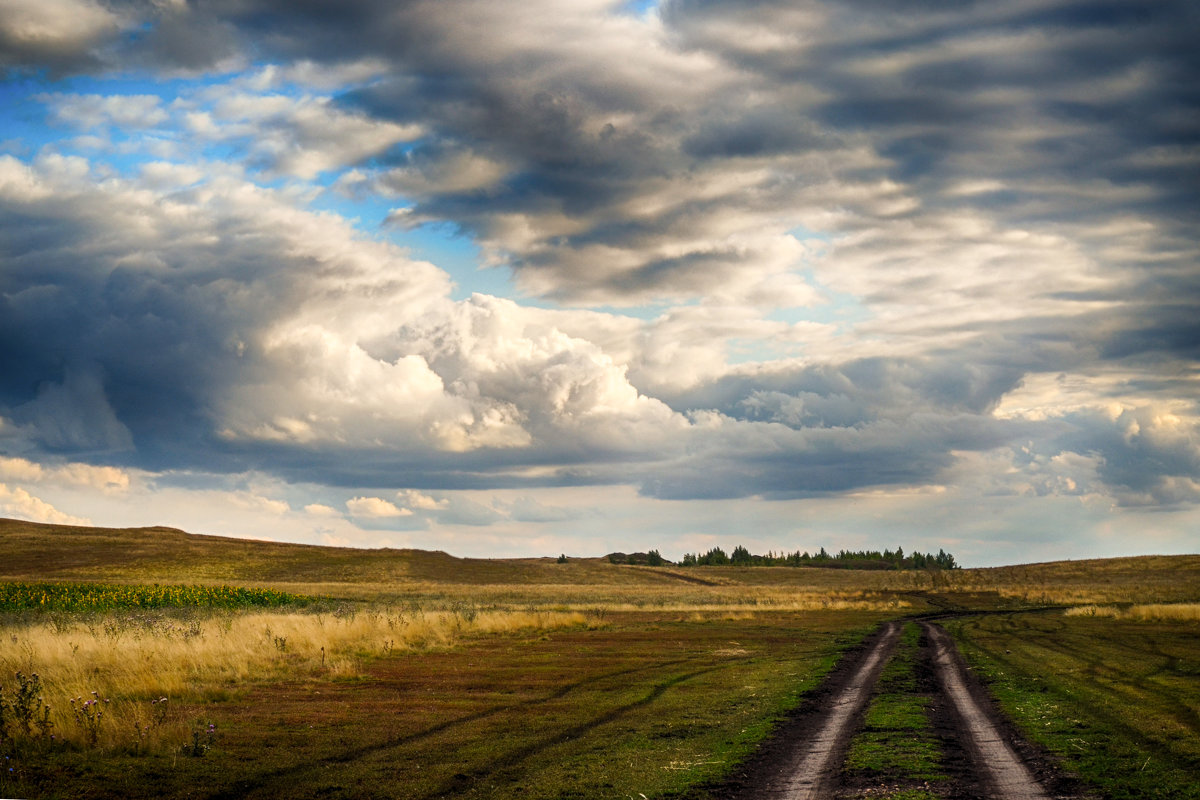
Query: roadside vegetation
x=647, y=702
x=1115, y=697
x=1181, y=612
x=897, y=746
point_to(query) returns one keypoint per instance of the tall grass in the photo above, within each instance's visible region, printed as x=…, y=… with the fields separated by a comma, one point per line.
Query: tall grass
x=1181, y=612
x=129, y=663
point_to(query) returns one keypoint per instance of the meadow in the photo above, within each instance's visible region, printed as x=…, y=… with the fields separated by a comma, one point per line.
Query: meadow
x=1115, y=695
x=183, y=665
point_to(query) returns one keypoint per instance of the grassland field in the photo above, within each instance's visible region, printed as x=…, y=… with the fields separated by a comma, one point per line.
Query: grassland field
x=420, y=675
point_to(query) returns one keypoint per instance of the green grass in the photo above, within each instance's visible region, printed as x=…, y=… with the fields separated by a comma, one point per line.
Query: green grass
x=16, y=596
x=1118, y=701
x=897, y=741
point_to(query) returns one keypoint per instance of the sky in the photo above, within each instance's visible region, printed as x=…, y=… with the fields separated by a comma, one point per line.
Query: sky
x=521, y=279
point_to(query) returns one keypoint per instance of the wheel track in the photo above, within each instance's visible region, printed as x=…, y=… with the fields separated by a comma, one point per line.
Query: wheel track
x=807, y=764
x=810, y=771
x=1002, y=769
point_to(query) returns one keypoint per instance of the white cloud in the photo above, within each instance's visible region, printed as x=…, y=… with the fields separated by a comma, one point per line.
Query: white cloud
x=299, y=136
x=423, y=502
x=19, y=503
x=375, y=508
x=90, y=111
x=50, y=27
x=256, y=502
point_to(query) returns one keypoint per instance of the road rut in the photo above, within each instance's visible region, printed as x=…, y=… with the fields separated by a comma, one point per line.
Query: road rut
x=808, y=776
x=1006, y=775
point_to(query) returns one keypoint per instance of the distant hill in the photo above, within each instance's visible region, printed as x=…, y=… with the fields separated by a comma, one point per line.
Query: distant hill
x=37, y=551
x=32, y=550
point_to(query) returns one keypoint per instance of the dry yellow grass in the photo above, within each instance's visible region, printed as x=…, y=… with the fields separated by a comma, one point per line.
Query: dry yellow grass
x=1164, y=612
x=130, y=662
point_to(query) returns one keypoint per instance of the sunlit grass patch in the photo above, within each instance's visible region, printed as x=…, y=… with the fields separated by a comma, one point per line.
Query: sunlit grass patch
x=1181, y=612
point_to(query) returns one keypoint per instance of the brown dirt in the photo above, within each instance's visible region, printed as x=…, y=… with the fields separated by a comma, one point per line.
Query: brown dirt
x=817, y=733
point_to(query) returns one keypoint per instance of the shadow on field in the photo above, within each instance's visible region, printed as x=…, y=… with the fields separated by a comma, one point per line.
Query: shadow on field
x=273, y=782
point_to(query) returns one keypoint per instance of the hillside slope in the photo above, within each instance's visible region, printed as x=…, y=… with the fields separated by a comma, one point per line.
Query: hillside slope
x=37, y=551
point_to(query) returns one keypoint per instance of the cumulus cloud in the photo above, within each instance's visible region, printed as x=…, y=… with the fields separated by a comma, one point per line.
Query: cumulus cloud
x=374, y=507
x=315, y=340
x=411, y=498
x=60, y=34
x=75, y=474
x=256, y=502
x=92, y=111
x=16, y=502
x=298, y=136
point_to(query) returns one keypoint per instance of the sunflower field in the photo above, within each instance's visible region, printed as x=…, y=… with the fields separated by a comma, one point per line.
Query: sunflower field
x=21, y=596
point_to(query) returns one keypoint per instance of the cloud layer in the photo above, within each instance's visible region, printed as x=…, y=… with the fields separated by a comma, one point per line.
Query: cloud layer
x=759, y=252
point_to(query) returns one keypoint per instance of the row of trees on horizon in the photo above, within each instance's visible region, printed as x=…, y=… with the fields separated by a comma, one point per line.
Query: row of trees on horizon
x=844, y=559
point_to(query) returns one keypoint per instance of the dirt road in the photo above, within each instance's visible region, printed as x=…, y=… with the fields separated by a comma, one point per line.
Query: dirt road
x=804, y=761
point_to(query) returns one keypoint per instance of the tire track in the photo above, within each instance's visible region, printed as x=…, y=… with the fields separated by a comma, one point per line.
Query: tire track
x=813, y=768
x=1005, y=773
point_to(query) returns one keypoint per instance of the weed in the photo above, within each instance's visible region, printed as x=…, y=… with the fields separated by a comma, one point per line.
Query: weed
x=26, y=707
x=89, y=716
x=159, y=710
x=202, y=740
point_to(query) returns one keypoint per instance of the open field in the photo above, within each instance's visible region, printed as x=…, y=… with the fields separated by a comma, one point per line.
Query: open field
x=420, y=675
x=648, y=703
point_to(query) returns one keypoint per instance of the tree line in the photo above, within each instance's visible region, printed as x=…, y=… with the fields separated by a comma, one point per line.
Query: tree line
x=843, y=559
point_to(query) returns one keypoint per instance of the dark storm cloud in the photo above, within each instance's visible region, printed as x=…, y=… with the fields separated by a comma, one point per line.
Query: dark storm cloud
x=584, y=114
x=1150, y=459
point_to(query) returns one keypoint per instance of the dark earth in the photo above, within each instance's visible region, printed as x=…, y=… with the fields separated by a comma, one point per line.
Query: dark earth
x=764, y=776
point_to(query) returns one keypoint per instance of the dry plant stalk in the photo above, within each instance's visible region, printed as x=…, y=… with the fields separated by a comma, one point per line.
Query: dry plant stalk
x=146, y=669
x=1150, y=612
